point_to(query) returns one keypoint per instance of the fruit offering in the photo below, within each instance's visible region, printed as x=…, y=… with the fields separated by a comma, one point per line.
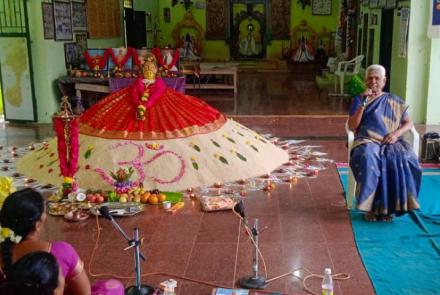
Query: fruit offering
x=96, y=196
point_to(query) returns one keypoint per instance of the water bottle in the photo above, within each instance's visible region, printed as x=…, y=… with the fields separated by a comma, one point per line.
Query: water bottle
x=327, y=282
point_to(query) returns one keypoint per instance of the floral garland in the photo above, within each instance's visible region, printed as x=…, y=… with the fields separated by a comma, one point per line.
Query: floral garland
x=120, y=64
x=156, y=51
x=138, y=165
x=67, y=131
x=136, y=58
x=97, y=62
x=145, y=95
x=181, y=171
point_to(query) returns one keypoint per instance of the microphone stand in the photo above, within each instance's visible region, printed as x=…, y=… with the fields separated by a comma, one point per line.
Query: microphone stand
x=139, y=288
x=254, y=281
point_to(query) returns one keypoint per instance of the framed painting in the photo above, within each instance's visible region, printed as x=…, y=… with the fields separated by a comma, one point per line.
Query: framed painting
x=120, y=54
x=48, y=26
x=322, y=7
x=216, y=19
x=79, y=16
x=62, y=21
x=81, y=42
x=71, y=55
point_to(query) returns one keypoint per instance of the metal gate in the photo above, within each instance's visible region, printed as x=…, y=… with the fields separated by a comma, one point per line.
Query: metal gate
x=16, y=80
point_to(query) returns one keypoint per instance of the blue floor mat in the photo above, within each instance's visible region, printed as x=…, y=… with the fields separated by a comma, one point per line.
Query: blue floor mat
x=403, y=256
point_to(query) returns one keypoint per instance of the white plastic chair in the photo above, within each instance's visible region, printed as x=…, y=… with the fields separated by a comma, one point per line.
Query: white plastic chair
x=346, y=68
x=411, y=137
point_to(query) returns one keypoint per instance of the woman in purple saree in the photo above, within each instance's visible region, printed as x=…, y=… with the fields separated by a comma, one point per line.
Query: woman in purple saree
x=386, y=169
x=21, y=220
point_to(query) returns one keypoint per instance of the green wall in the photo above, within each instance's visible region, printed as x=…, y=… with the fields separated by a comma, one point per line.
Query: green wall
x=433, y=96
x=48, y=62
x=151, y=6
x=418, y=61
x=219, y=50
x=398, y=64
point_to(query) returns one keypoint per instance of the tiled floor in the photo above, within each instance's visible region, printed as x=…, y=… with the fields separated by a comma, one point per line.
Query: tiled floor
x=307, y=226
x=307, y=223
x=289, y=92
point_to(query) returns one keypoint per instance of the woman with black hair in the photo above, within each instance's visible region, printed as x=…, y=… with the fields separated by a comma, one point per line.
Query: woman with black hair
x=36, y=273
x=21, y=219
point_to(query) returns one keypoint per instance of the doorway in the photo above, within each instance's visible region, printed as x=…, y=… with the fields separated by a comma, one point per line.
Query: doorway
x=135, y=28
x=386, y=43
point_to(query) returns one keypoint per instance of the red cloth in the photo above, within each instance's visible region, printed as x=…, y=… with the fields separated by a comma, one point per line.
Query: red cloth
x=169, y=114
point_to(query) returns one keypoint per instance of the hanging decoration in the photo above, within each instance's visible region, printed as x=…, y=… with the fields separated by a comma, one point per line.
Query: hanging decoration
x=66, y=126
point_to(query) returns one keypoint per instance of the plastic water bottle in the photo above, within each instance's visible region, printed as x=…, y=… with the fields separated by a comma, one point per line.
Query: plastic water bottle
x=327, y=282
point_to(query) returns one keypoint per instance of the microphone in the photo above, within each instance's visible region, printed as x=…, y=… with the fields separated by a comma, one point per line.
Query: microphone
x=239, y=208
x=105, y=212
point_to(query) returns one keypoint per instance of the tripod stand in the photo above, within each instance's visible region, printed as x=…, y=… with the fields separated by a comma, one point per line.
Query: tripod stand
x=139, y=288
x=254, y=281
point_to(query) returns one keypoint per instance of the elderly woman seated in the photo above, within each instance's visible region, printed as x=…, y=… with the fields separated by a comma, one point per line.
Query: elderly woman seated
x=386, y=169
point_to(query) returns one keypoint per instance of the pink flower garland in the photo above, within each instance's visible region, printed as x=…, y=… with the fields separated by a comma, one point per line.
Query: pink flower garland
x=182, y=167
x=138, y=165
x=104, y=176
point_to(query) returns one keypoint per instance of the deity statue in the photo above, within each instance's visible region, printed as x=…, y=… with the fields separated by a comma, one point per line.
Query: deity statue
x=189, y=50
x=250, y=43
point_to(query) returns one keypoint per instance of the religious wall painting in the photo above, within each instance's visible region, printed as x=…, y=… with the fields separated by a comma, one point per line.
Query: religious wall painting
x=48, y=26
x=248, y=35
x=280, y=18
x=81, y=42
x=71, y=55
x=216, y=19
x=62, y=21
x=250, y=38
x=79, y=16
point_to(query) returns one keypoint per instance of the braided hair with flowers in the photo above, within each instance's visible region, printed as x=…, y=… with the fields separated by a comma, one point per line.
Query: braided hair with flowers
x=18, y=218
